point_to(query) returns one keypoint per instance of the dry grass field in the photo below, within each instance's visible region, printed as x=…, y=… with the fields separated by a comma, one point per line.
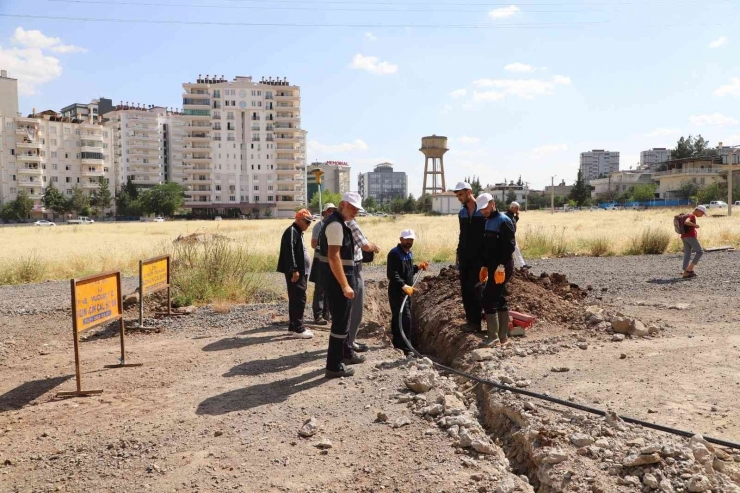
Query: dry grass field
x=32, y=254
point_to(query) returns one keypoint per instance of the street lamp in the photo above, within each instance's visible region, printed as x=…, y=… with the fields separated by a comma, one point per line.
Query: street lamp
x=317, y=174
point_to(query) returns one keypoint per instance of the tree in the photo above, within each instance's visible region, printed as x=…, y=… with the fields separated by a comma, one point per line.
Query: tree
x=581, y=191
x=369, y=204
x=687, y=189
x=18, y=209
x=409, y=205
x=326, y=197
x=643, y=193
x=510, y=197
x=709, y=193
x=79, y=202
x=165, y=199
x=130, y=189
x=102, y=197
x=519, y=181
x=268, y=213
x=476, y=186
x=54, y=200
x=424, y=204
x=692, y=147
x=397, y=205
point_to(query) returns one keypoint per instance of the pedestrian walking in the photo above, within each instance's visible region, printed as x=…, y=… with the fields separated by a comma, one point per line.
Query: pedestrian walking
x=469, y=256
x=400, y=273
x=361, y=244
x=295, y=263
x=499, y=240
x=690, y=239
x=319, y=306
x=513, y=214
x=338, y=275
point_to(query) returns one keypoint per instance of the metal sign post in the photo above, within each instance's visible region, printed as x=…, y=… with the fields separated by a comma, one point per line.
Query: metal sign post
x=154, y=276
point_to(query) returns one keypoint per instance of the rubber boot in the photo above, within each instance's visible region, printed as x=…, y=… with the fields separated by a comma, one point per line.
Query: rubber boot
x=492, y=328
x=503, y=326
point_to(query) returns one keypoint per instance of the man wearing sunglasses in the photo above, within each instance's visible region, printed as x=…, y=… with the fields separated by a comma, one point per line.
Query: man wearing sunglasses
x=295, y=263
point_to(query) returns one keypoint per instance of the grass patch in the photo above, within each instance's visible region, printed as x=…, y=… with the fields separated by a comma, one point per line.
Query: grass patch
x=650, y=241
x=28, y=269
x=544, y=242
x=600, y=246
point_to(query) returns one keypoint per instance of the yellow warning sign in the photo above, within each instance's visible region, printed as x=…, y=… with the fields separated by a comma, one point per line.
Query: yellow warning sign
x=155, y=274
x=96, y=301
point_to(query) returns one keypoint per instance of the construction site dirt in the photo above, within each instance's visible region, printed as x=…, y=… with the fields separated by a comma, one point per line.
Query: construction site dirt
x=224, y=393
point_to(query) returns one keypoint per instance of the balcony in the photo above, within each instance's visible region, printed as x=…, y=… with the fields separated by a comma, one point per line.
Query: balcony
x=197, y=159
x=94, y=162
x=30, y=158
x=198, y=137
x=144, y=172
x=140, y=162
x=144, y=137
x=90, y=185
x=96, y=172
x=688, y=171
x=88, y=147
x=287, y=138
x=196, y=103
x=28, y=145
x=287, y=96
x=145, y=181
x=30, y=184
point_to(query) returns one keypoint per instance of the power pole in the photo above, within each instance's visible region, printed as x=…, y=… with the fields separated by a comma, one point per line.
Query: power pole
x=526, y=196
x=552, y=194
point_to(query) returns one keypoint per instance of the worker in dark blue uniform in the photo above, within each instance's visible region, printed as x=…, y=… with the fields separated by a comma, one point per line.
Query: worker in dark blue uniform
x=499, y=239
x=469, y=258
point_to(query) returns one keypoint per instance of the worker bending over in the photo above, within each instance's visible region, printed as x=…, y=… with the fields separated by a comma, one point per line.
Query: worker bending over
x=499, y=241
x=469, y=258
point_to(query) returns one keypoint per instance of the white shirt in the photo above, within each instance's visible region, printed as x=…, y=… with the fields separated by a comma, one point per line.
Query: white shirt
x=334, y=234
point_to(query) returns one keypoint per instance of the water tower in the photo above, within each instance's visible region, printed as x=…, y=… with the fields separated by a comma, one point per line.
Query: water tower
x=434, y=148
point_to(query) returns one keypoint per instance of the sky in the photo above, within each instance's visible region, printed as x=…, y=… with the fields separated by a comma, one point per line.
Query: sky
x=519, y=88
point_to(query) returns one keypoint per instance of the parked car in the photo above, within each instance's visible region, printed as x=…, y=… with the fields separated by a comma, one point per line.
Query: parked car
x=217, y=218
x=716, y=204
x=736, y=203
x=81, y=220
x=159, y=219
x=44, y=222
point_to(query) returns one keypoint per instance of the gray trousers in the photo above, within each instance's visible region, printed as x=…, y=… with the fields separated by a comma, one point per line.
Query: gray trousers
x=691, y=244
x=358, y=302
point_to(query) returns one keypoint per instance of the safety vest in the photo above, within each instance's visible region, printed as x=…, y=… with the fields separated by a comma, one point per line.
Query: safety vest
x=346, y=252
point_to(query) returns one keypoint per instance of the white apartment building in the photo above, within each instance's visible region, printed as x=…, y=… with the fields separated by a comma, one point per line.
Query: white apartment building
x=651, y=159
x=244, y=147
x=598, y=163
x=46, y=148
x=149, y=145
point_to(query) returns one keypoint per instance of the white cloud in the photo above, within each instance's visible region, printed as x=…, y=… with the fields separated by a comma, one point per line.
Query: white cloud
x=370, y=36
x=732, y=89
x=446, y=109
x=36, y=39
x=664, y=132
x=504, y=12
x=485, y=96
x=458, y=93
x=524, y=88
x=714, y=120
x=519, y=67
x=373, y=65
x=549, y=149
x=357, y=145
x=719, y=42
x=468, y=140
x=732, y=140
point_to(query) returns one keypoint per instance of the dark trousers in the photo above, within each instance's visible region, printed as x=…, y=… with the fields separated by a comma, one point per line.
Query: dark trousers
x=471, y=301
x=340, y=308
x=494, y=295
x=320, y=305
x=296, y=301
x=395, y=302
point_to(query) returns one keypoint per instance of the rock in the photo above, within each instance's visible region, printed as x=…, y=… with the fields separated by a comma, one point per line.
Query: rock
x=452, y=405
x=701, y=453
x=324, y=444
x=434, y=410
x=595, y=319
x=583, y=345
x=638, y=329
x=507, y=485
x=559, y=369
x=650, y=481
x=218, y=433
x=131, y=300
x=593, y=310
x=506, y=380
x=640, y=460
x=382, y=417
x=666, y=486
x=483, y=446
x=636, y=442
x=629, y=481
x=421, y=381
x=530, y=406
x=622, y=356
x=520, y=352
x=699, y=483
x=669, y=450
x=309, y=428
x=602, y=443
x=650, y=449
x=618, y=337
x=613, y=420
x=581, y=439
x=523, y=383
x=621, y=325
x=466, y=439
x=401, y=421
x=483, y=354
x=461, y=421
x=185, y=310
x=653, y=329
x=554, y=456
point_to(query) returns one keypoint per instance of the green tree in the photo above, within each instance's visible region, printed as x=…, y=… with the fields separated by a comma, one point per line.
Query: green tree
x=369, y=204
x=79, y=202
x=397, y=205
x=130, y=189
x=424, y=204
x=692, y=147
x=475, y=186
x=102, y=198
x=326, y=197
x=710, y=193
x=688, y=189
x=643, y=193
x=268, y=213
x=165, y=199
x=519, y=181
x=581, y=191
x=409, y=205
x=54, y=200
x=510, y=197
x=19, y=209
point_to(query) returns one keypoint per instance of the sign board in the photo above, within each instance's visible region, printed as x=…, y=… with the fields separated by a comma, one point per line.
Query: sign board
x=97, y=300
x=155, y=274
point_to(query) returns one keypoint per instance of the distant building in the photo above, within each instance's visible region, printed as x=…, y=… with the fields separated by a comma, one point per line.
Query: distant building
x=700, y=171
x=619, y=182
x=729, y=154
x=561, y=190
x=383, y=184
x=598, y=163
x=651, y=159
x=445, y=203
x=8, y=95
x=501, y=192
x=336, y=178
x=95, y=108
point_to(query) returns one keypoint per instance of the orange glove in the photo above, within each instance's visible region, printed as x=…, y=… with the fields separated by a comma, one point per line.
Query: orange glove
x=423, y=266
x=408, y=290
x=500, y=275
x=483, y=275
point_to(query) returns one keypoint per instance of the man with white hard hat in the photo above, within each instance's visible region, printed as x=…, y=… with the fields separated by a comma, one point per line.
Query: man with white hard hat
x=400, y=272
x=338, y=275
x=469, y=257
x=499, y=238
x=319, y=306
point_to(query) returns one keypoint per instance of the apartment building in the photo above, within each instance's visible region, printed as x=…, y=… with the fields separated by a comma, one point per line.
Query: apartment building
x=149, y=143
x=598, y=163
x=383, y=184
x=83, y=111
x=620, y=182
x=8, y=94
x=651, y=159
x=46, y=148
x=336, y=178
x=244, y=149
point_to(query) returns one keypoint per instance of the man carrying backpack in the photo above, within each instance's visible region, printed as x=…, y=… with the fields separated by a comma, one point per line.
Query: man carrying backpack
x=690, y=241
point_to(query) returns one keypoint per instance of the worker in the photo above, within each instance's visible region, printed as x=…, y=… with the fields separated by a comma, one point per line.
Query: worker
x=469, y=257
x=690, y=240
x=400, y=272
x=513, y=214
x=338, y=275
x=319, y=306
x=361, y=245
x=295, y=263
x=499, y=238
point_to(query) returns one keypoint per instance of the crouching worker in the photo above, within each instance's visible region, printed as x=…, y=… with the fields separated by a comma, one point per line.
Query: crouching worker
x=500, y=242
x=401, y=271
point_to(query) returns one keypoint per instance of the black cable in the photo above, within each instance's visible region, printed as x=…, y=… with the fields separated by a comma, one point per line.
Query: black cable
x=588, y=409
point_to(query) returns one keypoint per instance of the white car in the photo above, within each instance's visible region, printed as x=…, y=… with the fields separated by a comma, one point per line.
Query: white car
x=217, y=218
x=159, y=219
x=716, y=204
x=736, y=203
x=44, y=222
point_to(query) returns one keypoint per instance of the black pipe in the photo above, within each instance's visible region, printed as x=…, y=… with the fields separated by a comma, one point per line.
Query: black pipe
x=555, y=400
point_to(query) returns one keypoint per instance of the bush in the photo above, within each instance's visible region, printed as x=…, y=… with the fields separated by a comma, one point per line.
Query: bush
x=25, y=270
x=538, y=242
x=651, y=241
x=600, y=247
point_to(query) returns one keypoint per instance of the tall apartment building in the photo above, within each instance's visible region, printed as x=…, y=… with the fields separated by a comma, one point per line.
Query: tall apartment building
x=383, y=184
x=244, y=146
x=47, y=148
x=81, y=111
x=8, y=95
x=598, y=163
x=336, y=178
x=149, y=144
x=651, y=159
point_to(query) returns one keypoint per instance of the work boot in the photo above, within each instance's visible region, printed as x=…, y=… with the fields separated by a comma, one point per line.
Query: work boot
x=342, y=372
x=320, y=321
x=492, y=329
x=359, y=347
x=471, y=328
x=352, y=358
x=503, y=326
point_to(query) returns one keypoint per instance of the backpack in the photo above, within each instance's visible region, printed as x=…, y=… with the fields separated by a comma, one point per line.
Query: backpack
x=679, y=223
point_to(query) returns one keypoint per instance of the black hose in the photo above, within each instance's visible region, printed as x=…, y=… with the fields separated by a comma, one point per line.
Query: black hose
x=555, y=400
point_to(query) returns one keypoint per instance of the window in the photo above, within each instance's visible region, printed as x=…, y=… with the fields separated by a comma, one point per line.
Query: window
x=10, y=125
x=53, y=130
x=55, y=179
x=269, y=198
x=218, y=198
x=256, y=188
x=54, y=166
x=256, y=199
x=218, y=188
x=67, y=168
x=69, y=191
x=68, y=180
x=232, y=198
x=269, y=188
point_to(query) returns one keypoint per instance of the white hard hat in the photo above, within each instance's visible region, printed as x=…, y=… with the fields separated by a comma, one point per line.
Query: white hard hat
x=701, y=208
x=514, y=204
x=329, y=206
x=408, y=234
x=482, y=201
x=461, y=185
x=353, y=198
